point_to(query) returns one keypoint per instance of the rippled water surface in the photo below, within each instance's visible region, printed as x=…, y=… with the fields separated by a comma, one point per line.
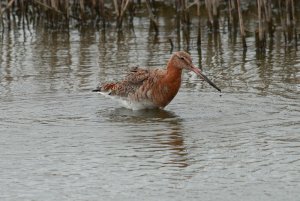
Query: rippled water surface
x=60, y=141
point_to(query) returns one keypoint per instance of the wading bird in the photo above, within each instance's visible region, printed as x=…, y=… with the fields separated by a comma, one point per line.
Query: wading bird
x=155, y=88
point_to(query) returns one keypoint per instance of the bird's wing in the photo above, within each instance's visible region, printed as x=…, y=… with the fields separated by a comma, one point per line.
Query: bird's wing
x=136, y=78
x=137, y=75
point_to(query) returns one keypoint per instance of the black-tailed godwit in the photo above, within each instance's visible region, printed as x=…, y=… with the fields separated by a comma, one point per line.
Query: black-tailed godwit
x=153, y=88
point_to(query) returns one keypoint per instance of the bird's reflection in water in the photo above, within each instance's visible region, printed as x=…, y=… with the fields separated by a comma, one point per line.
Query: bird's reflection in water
x=154, y=131
x=141, y=116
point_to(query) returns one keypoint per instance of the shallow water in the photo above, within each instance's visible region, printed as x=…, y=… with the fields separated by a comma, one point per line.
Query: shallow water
x=60, y=141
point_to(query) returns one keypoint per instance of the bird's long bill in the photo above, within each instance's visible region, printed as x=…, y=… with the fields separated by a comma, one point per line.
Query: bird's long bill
x=198, y=72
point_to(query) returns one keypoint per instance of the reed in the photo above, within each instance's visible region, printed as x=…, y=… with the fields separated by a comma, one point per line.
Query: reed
x=212, y=7
x=153, y=22
x=61, y=14
x=261, y=37
x=120, y=9
x=241, y=23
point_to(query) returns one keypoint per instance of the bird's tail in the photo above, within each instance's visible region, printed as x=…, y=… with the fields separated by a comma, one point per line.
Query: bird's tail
x=108, y=87
x=98, y=89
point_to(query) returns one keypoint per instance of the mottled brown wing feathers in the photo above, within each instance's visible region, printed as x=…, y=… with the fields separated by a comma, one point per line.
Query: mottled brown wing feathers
x=129, y=85
x=137, y=75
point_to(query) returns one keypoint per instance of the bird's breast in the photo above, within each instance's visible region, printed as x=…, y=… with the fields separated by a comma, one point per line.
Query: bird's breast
x=165, y=92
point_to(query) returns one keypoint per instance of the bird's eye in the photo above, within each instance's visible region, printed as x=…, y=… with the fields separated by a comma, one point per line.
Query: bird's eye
x=182, y=58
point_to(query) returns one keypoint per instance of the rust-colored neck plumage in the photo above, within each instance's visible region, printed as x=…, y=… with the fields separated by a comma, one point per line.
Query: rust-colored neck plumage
x=173, y=72
x=168, y=85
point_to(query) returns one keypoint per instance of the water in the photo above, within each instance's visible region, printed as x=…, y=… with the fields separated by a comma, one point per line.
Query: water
x=60, y=141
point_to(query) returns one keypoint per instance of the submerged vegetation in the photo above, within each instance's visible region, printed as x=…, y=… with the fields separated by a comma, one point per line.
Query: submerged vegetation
x=271, y=16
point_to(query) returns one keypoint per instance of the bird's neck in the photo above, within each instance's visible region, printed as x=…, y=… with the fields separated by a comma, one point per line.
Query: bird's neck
x=168, y=86
x=173, y=74
x=172, y=79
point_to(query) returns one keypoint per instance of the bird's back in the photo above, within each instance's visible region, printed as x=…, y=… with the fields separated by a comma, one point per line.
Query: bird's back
x=138, y=85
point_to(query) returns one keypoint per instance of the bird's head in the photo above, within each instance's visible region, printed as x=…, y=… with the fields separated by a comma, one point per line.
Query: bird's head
x=183, y=60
